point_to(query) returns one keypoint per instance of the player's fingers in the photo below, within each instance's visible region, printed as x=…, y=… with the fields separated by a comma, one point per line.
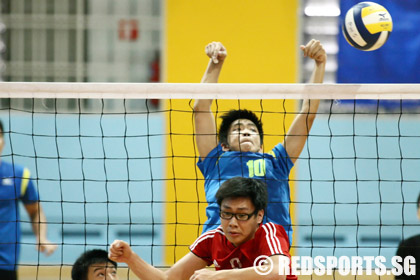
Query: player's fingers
x=213, y=47
x=218, y=47
x=41, y=248
x=314, y=50
x=302, y=47
x=114, y=244
x=116, y=247
x=220, y=52
x=215, y=55
x=321, y=56
x=312, y=43
x=212, y=51
x=113, y=257
x=319, y=53
x=308, y=48
x=50, y=249
x=312, y=46
x=207, y=50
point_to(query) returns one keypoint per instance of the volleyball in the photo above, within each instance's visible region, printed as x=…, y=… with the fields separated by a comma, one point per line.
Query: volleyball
x=367, y=26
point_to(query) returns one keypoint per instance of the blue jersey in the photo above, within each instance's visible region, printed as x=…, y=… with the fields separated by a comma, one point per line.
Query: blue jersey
x=15, y=185
x=273, y=168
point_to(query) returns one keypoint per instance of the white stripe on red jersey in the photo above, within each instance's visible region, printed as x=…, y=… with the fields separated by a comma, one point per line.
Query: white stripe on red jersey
x=273, y=244
x=208, y=234
x=275, y=237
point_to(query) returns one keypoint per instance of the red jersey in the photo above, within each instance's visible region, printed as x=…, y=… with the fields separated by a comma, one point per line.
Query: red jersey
x=213, y=247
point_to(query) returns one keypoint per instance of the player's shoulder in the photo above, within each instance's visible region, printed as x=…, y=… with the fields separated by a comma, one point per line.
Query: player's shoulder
x=214, y=232
x=210, y=236
x=279, y=148
x=271, y=225
x=214, y=154
x=273, y=229
x=274, y=237
x=17, y=169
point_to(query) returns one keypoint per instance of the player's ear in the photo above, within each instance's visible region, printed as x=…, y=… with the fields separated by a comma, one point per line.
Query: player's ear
x=225, y=147
x=260, y=216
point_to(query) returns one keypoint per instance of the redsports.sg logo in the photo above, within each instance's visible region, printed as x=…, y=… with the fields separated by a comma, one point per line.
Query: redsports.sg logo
x=321, y=265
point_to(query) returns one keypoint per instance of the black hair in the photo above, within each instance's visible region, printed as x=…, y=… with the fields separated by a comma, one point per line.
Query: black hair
x=1, y=128
x=255, y=190
x=233, y=115
x=81, y=266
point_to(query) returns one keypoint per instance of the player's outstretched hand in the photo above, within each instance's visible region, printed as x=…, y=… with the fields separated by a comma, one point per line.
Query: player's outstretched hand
x=47, y=247
x=120, y=251
x=314, y=49
x=216, y=51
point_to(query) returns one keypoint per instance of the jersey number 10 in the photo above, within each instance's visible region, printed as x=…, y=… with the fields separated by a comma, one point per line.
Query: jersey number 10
x=256, y=167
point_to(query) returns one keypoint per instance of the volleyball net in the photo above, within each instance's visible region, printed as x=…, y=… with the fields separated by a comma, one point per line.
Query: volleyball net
x=108, y=164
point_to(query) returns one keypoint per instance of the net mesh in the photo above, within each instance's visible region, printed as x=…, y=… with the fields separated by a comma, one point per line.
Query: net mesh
x=112, y=168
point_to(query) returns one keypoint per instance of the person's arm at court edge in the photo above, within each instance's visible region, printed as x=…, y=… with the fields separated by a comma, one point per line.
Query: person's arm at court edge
x=205, y=125
x=39, y=227
x=298, y=133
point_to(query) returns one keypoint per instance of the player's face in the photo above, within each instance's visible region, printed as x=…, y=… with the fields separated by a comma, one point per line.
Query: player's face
x=244, y=136
x=102, y=271
x=237, y=231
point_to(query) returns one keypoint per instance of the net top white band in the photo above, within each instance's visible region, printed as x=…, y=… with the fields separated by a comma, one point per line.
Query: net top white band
x=207, y=91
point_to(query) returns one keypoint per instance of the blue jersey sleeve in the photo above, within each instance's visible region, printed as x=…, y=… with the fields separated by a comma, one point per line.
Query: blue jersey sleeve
x=283, y=158
x=210, y=161
x=28, y=193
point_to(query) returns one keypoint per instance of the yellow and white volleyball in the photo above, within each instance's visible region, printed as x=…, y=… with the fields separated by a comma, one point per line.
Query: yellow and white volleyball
x=367, y=26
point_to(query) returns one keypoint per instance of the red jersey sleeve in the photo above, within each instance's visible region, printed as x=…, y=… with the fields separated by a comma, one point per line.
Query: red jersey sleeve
x=273, y=240
x=202, y=247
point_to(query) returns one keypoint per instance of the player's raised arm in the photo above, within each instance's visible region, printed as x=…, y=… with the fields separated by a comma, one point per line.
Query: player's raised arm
x=315, y=51
x=205, y=124
x=298, y=133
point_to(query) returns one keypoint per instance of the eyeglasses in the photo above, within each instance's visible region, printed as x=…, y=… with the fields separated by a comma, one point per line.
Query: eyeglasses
x=239, y=216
